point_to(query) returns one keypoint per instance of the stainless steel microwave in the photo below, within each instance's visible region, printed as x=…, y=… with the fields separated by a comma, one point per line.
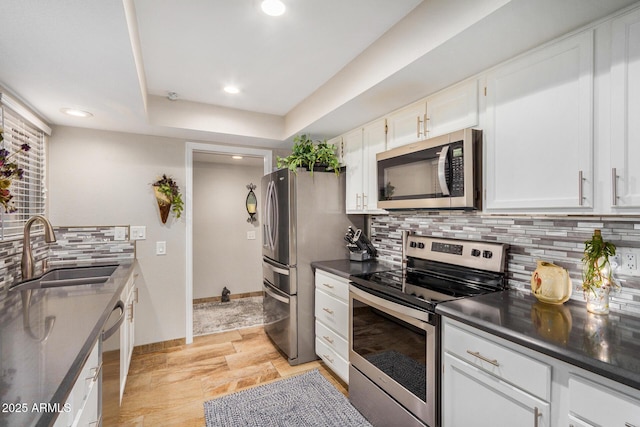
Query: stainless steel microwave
x=444, y=172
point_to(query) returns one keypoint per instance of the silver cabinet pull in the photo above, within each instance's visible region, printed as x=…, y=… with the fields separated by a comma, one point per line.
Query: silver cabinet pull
x=418, y=131
x=614, y=187
x=328, y=285
x=629, y=425
x=536, y=415
x=364, y=201
x=136, y=295
x=477, y=354
x=96, y=373
x=326, y=356
x=328, y=310
x=357, y=201
x=580, y=189
x=426, y=129
x=327, y=339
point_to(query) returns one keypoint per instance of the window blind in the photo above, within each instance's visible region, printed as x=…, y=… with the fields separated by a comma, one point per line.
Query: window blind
x=29, y=193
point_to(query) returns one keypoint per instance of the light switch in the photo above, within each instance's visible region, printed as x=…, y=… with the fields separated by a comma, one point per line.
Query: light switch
x=119, y=233
x=251, y=235
x=138, y=232
x=161, y=248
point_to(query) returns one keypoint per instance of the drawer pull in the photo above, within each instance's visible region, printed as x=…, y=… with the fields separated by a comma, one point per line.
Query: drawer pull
x=328, y=285
x=327, y=339
x=96, y=373
x=629, y=425
x=326, y=356
x=477, y=354
x=97, y=422
x=328, y=310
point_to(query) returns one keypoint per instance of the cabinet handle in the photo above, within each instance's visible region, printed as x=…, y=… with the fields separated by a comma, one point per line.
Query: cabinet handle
x=580, y=189
x=418, y=131
x=629, y=425
x=96, y=373
x=614, y=187
x=326, y=356
x=328, y=285
x=536, y=415
x=364, y=201
x=97, y=422
x=328, y=310
x=130, y=312
x=357, y=201
x=327, y=339
x=477, y=354
x=426, y=130
x=136, y=295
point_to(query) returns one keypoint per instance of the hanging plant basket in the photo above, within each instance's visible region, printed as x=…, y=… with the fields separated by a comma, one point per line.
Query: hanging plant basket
x=168, y=197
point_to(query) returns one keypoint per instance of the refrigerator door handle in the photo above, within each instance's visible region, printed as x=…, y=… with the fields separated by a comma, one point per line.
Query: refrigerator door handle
x=276, y=215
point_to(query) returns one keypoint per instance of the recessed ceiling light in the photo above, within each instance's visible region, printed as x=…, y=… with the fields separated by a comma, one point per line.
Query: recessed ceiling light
x=231, y=89
x=76, y=113
x=273, y=7
x=236, y=157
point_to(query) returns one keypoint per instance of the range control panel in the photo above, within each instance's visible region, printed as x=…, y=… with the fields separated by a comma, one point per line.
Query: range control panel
x=482, y=255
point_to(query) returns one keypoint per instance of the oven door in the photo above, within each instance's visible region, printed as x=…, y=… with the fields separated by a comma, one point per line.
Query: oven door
x=395, y=347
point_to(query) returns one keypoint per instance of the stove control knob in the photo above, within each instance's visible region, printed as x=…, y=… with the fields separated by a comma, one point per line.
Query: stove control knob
x=413, y=244
x=420, y=245
x=487, y=254
x=475, y=252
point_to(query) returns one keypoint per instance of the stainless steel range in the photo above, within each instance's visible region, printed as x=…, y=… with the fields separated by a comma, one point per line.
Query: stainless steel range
x=394, y=376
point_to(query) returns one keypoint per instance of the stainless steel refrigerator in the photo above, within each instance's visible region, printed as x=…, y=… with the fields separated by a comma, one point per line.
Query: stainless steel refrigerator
x=303, y=220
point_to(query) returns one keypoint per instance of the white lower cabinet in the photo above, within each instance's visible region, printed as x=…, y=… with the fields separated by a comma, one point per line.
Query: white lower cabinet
x=490, y=381
x=127, y=332
x=592, y=404
x=82, y=407
x=485, y=384
x=332, y=322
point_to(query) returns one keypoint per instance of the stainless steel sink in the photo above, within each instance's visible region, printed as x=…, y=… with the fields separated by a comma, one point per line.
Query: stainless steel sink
x=71, y=276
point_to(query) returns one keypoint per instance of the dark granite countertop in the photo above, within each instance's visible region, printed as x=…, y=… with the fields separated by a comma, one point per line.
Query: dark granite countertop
x=35, y=369
x=608, y=345
x=345, y=268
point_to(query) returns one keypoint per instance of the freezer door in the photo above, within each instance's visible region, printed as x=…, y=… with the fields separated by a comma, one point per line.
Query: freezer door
x=277, y=234
x=279, y=276
x=280, y=320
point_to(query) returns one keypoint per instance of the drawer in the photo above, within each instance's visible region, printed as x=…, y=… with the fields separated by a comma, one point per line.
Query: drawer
x=332, y=340
x=332, y=285
x=333, y=361
x=332, y=312
x=506, y=364
x=601, y=405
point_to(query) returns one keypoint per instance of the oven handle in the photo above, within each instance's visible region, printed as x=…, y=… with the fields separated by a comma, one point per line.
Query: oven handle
x=441, y=166
x=420, y=319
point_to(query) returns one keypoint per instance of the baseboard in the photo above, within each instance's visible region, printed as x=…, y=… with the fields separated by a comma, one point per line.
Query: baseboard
x=232, y=296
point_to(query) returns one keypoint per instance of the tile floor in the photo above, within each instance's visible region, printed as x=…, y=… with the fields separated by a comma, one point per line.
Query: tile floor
x=168, y=387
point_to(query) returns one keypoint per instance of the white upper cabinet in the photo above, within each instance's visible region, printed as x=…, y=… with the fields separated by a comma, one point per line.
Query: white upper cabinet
x=625, y=114
x=453, y=109
x=539, y=129
x=406, y=125
x=360, y=148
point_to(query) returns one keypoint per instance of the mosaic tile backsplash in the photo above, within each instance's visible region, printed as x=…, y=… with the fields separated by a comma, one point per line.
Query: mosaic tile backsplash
x=559, y=240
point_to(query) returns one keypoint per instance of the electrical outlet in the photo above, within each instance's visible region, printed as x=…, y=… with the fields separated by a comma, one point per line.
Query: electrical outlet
x=625, y=262
x=119, y=233
x=251, y=235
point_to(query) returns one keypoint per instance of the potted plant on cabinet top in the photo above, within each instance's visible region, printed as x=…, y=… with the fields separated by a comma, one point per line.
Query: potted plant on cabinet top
x=597, y=277
x=307, y=154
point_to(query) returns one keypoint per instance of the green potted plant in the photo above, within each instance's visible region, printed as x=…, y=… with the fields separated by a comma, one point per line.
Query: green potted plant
x=597, y=277
x=307, y=154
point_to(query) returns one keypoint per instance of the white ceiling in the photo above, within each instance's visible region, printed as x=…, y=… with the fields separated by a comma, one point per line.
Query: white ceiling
x=324, y=67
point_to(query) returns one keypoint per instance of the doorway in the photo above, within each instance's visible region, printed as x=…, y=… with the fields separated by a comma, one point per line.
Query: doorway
x=191, y=150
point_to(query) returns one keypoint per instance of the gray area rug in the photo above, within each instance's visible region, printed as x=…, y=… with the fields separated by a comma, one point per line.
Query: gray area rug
x=212, y=317
x=304, y=400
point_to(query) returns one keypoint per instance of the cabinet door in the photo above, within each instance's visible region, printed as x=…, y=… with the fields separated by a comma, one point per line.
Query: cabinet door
x=472, y=397
x=539, y=129
x=454, y=109
x=355, y=169
x=406, y=125
x=625, y=111
x=374, y=138
x=599, y=405
x=337, y=141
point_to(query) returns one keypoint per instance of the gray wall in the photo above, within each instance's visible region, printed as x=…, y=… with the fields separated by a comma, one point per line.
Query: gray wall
x=222, y=254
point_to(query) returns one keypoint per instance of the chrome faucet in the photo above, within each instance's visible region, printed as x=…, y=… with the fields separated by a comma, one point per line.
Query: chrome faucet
x=27, y=253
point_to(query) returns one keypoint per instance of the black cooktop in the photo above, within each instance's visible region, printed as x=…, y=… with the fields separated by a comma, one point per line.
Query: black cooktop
x=424, y=284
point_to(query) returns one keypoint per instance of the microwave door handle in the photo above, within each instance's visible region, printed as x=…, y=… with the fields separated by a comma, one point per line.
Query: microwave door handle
x=441, y=166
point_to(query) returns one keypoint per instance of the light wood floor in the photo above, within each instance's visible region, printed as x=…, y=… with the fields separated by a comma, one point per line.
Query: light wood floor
x=168, y=387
